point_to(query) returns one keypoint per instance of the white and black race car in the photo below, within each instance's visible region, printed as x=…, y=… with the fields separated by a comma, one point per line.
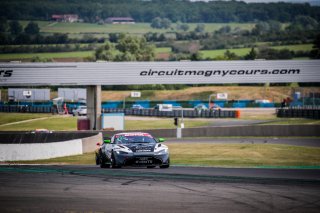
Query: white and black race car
x=133, y=149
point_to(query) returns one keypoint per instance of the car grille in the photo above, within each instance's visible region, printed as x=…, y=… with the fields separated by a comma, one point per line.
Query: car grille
x=143, y=161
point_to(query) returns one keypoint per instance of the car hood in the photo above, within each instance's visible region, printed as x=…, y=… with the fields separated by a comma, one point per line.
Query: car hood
x=141, y=147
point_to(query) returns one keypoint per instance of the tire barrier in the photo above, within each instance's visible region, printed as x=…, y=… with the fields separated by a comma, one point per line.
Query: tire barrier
x=22, y=109
x=312, y=113
x=134, y=112
x=174, y=113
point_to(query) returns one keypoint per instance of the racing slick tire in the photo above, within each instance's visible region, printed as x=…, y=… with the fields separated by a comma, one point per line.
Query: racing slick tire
x=113, y=162
x=166, y=166
x=103, y=163
x=97, y=160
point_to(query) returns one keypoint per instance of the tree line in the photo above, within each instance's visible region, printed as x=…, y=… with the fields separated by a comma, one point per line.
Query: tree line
x=145, y=11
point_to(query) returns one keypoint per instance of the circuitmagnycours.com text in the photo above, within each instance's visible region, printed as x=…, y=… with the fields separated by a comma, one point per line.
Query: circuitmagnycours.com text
x=208, y=73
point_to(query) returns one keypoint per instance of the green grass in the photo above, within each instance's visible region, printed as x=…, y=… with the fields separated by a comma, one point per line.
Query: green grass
x=17, y=56
x=58, y=123
x=16, y=117
x=224, y=155
x=216, y=53
x=77, y=54
x=163, y=50
x=251, y=155
x=61, y=123
x=244, y=51
x=138, y=28
x=165, y=123
x=296, y=47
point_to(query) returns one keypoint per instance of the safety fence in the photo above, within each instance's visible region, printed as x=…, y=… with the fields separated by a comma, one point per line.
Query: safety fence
x=31, y=109
x=313, y=113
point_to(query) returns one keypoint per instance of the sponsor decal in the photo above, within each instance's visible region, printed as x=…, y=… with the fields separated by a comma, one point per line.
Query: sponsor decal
x=5, y=74
x=222, y=73
x=133, y=134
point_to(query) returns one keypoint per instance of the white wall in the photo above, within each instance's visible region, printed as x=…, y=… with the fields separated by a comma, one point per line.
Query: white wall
x=12, y=152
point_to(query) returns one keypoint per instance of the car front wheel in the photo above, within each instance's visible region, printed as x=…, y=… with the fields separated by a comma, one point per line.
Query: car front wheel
x=113, y=162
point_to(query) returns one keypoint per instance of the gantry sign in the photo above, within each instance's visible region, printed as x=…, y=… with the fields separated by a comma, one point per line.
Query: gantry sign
x=94, y=75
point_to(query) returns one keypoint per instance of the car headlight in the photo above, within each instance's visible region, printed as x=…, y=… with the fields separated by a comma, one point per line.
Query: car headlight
x=162, y=152
x=122, y=153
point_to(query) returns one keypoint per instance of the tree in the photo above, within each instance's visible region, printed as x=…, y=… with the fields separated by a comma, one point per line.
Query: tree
x=200, y=28
x=105, y=52
x=303, y=23
x=15, y=27
x=166, y=23
x=230, y=55
x=261, y=28
x=184, y=27
x=315, y=53
x=224, y=30
x=129, y=48
x=156, y=23
x=32, y=28
x=252, y=55
x=3, y=24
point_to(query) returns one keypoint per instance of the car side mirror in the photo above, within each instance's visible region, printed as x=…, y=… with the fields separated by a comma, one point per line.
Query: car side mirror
x=107, y=141
x=161, y=140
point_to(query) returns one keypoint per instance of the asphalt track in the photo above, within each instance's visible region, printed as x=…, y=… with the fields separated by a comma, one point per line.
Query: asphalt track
x=177, y=189
x=80, y=188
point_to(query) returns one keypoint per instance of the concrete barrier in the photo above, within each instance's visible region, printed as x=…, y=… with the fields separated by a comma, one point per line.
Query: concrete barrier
x=36, y=151
x=17, y=146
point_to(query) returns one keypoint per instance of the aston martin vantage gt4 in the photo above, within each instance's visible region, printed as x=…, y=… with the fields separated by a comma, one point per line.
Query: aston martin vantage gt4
x=133, y=149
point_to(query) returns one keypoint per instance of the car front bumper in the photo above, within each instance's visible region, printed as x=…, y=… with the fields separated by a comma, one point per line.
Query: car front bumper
x=141, y=159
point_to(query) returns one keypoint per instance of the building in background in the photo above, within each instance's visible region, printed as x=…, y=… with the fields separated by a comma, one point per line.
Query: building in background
x=73, y=94
x=65, y=18
x=27, y=94
x=120, y=20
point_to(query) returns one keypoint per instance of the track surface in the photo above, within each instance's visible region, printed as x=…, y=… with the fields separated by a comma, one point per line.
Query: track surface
x=177, y=189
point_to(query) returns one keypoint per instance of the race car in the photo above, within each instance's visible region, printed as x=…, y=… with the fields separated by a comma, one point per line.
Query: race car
x=133, y=149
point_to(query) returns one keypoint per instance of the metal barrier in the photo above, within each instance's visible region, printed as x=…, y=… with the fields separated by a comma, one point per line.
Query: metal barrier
x=312, y=113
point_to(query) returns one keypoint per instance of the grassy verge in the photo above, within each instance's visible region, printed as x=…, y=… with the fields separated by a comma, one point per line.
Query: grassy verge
x=60, y=123
x=165, y=123
x=17, y=56
x=52, y=123
x=138, y=28
x=244, y=51
x=224, y=155
x=69, y=123
x=250, y=155
x=16, y=117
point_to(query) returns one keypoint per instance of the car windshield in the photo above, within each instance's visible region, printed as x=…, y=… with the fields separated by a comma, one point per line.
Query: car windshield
x=125, y=139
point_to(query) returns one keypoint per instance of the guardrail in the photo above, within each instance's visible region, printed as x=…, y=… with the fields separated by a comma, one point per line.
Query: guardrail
x=313, y=113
